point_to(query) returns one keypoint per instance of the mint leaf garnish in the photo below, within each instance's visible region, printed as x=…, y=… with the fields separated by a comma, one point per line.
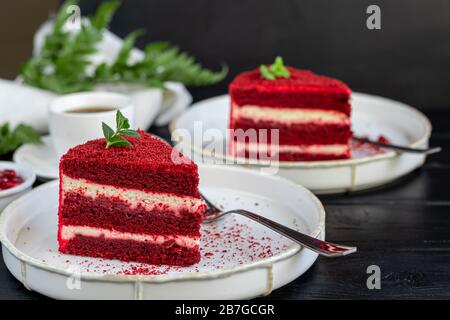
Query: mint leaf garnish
x=129, y=132
x=118, y=141
x=121, y=121
x=115, y=138
x=108, y=132
x=266, y=73
x=275, y=70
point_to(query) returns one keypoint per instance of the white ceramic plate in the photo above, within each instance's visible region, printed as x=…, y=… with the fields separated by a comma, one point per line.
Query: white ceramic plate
x=41, y=158
x=372, y=116
x=240, y=259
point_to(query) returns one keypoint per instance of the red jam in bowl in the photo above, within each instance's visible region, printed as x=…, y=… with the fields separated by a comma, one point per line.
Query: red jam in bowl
x=9, y=179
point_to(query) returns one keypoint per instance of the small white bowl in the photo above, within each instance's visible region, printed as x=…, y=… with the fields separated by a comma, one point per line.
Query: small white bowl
x=28, y=176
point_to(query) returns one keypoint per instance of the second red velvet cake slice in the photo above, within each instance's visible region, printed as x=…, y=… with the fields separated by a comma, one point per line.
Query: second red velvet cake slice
x=130, y=203
x=310, y=112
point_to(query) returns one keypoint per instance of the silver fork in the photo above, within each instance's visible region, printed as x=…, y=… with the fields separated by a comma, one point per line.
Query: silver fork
x=398, y=148
x=323, y=248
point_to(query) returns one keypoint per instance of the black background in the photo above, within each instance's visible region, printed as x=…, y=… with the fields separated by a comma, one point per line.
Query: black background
x=407, y=60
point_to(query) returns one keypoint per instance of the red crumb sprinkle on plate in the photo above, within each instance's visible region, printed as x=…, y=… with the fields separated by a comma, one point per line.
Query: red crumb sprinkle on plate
x=229, y=243
x=360, y=149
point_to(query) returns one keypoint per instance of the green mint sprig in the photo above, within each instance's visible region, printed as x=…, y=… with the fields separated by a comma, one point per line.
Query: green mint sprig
x=64, y=58
x=275, y=70
x=115, y=138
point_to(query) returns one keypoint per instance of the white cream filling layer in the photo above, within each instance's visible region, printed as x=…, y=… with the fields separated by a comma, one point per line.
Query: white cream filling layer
x=290, y=115
x=69, y=232
x=311, y=149
x=148, y=200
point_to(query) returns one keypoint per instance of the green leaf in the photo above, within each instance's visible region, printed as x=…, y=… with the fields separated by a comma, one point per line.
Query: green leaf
x=265, y=73
x=125, y=124
x=278, y=64
x=279, y=69
x=121, y=121
x=108, y=132
x=128, y=132
x=4, y=129
x=12, y=139
x=155, y=83
x=102, y=72
x=168, y=63
x=104, y=14
x=118, y=141
x=156, y=47
x=127, y=46
x=115, y=138
x=26, y=134
x=275, y=70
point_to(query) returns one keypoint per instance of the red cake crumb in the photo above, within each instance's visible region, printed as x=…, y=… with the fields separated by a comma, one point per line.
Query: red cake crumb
x=145, y=270
x=383, y=139
x=361, y=149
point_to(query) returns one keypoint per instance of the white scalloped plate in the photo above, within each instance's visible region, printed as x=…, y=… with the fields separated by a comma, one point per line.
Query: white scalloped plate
x=41, y=158
x=240, y=259
x=372, y=116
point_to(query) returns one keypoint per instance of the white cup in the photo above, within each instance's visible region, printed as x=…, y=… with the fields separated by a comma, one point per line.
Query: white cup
x=69, y=129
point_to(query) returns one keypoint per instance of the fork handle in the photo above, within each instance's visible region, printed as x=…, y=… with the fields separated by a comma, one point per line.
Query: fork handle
x=321, y=247
x=399, y=148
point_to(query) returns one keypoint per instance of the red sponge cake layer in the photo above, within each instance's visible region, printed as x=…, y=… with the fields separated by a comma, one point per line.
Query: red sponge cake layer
x=130, y=203
x=117, y=214
x=309, y=134
x=169, y=253
x=311, y=114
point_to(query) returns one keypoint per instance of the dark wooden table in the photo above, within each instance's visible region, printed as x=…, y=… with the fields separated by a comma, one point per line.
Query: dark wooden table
x=404, y=228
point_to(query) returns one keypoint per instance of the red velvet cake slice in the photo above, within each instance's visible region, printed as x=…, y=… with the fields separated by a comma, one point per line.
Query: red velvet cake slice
x=311, y=112
x=130, y=203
